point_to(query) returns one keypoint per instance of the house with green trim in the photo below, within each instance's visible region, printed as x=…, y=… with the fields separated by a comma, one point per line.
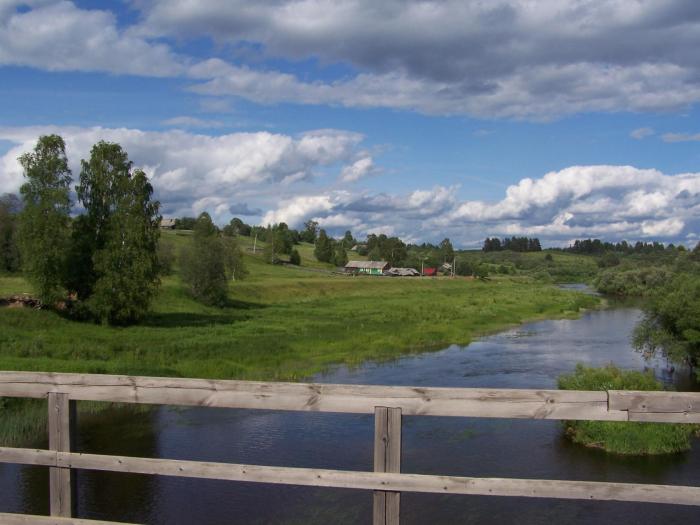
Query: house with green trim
x=366, y=267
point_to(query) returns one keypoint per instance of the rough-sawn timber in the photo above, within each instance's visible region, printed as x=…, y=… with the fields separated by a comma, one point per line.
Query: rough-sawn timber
x=460, y=402
x=385, y=481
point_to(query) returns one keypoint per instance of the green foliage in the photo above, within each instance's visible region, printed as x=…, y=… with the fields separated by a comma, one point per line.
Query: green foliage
x=166, y=257
x=671, y=324
x=203, y=264
x=9, y=242
x=234, y=263
x=185, y=223
x=237, y=227
x=340, y=257
x=608, y=260
x=618, y=437
x=463, y=268
x=516, y=244
x=375, y=254
x=447, y=253
x=389, y=249
x=295, y=258
x=324, y=247
x=310, y=232
x=45, y=219
x=635, y=282
x=348, y=240
x=116, y=239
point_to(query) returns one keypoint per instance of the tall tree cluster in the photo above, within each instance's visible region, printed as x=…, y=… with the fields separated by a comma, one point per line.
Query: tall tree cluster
x=515, y=244
x=107, y=256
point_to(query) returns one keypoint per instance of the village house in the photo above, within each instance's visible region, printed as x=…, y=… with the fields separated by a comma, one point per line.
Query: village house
x=167, y=224
x=367, y=267
x=430, y=272
x=403, y=272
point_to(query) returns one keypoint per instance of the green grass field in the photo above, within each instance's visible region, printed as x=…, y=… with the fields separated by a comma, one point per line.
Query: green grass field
x=283, y=323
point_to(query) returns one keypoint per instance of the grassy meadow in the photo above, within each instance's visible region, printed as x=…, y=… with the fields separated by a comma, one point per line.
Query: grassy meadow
x=282, y=323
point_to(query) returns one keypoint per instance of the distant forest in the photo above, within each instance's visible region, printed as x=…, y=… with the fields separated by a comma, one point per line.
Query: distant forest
x=596, y=246
x=514, y=244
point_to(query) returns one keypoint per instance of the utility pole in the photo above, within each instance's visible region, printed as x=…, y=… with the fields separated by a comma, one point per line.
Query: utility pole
x=255, y=242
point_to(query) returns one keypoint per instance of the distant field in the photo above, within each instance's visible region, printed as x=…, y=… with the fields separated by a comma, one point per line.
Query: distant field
x=283, y=323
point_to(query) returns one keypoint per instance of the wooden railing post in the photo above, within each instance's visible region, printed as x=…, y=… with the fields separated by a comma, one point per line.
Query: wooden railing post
x=387, y=458
x=61, y=421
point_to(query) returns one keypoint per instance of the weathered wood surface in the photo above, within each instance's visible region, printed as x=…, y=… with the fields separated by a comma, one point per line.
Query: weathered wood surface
x=462, y=402
x=657, y=406
x=27, y=519
x=534, y=488
x=60, y=487
x=387, y=458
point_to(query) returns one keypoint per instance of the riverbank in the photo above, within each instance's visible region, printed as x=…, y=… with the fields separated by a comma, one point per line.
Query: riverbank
x=282, y=325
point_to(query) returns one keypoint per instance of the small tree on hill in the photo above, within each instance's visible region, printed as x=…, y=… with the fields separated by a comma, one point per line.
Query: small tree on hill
x=341, y=257
x=348, y=240
x=295, y=258
x=324, y=247
x=447, y=253
x=203, y=264
x=44, y=221
x=310, y=231
x=233, y=260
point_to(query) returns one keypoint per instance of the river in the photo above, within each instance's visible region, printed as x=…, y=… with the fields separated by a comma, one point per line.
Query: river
x=529, y=356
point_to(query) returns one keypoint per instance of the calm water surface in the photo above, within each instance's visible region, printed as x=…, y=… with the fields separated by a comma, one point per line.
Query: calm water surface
x=530, y=356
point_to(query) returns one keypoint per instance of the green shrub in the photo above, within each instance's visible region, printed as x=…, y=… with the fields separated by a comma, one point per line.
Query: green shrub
x=618, y=437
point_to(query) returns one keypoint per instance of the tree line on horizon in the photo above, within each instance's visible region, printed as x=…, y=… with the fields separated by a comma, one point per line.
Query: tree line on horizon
x=598, y=246
x=514, y=244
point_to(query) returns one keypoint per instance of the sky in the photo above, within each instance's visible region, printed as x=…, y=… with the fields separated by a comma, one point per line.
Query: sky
x=460, y=119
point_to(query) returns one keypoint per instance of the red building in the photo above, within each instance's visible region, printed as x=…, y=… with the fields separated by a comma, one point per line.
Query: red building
x=430, y=272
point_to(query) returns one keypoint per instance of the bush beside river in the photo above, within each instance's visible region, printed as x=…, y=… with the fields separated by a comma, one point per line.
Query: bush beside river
x=618, y=437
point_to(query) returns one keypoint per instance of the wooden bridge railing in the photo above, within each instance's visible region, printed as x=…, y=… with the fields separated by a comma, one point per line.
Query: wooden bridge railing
x=387, y=403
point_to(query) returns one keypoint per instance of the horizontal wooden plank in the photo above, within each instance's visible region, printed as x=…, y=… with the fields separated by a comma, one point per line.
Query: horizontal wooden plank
x=665, y=417
x=461, y=402
x=29, y=519
x=534, y=488
x=27, y=456
x=636, y=401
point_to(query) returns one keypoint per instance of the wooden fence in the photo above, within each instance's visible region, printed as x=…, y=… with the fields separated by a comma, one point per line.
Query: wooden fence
x=387, y=403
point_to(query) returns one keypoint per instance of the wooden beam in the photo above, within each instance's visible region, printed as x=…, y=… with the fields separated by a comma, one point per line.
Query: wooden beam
x=460, y=402
x=396, y=482
x=28, y=519
x=387, y=458
x=61, y=416
x=664, y=407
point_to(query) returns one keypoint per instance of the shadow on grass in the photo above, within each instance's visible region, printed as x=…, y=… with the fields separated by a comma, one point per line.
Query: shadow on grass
x=231, y=313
